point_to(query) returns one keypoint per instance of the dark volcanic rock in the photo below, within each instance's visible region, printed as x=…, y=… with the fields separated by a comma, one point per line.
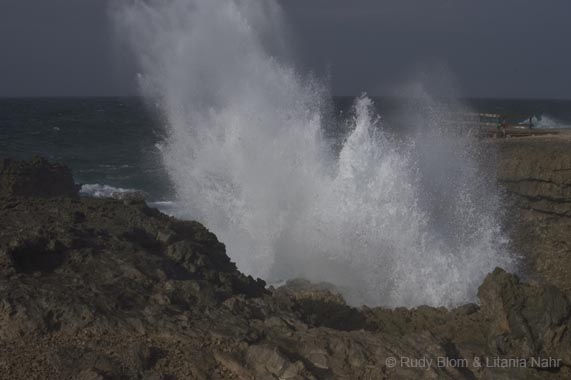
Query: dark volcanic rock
x=35, y=178
x=120, y=255
x=112, y=289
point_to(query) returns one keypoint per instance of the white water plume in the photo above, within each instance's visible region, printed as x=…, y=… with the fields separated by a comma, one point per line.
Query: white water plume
x=391, y=223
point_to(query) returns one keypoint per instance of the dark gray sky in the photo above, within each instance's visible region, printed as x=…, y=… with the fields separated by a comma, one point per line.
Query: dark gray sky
x=497, y=48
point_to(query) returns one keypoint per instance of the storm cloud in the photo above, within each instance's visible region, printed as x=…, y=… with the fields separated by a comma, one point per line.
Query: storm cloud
x=488, y=48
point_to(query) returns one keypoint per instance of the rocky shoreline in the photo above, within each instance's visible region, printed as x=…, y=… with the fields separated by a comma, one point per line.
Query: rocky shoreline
x=95, y=289
x=535, y=172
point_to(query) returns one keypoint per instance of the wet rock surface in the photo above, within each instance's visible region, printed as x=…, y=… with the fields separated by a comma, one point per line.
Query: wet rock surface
x=112, y=289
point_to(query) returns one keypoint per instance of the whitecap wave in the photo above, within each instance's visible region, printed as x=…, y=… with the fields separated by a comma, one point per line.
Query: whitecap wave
x=103, y=191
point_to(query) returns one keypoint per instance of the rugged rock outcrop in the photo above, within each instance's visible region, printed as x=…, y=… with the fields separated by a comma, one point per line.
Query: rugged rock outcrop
x=536, y=174
x=35, y=178
x=526, y=321
x=112, y=289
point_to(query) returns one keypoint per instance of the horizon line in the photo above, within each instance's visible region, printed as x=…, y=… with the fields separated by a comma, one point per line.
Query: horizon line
x=136, y=96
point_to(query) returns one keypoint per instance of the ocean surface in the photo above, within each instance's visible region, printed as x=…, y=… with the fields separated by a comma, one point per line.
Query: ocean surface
x=114, y=143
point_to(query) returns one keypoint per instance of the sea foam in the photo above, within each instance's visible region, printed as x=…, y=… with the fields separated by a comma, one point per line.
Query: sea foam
x=97, y=190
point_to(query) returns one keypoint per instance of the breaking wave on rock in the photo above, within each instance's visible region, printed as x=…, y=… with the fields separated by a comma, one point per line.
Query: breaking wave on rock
x=391, y=221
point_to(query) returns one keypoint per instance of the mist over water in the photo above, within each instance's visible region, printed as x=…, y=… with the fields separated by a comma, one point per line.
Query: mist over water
x=405, y=220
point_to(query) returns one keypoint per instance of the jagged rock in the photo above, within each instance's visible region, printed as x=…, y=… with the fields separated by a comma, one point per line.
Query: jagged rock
x=535, y=173
x=106, y=289
x=270, y=363
x=539, y=178
x=35, y=178
x=526, y=321
x=322, y=304
x=130, y=196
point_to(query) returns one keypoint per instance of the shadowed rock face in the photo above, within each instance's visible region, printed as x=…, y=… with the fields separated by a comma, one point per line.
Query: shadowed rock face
x=112, y=289
x=35, y=178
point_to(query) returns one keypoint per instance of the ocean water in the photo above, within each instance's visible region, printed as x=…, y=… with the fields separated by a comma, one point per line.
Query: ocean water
x=106, y=141
x=114, y=143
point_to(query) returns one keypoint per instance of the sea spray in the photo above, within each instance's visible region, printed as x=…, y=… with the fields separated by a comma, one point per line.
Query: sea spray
x=390, y=223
